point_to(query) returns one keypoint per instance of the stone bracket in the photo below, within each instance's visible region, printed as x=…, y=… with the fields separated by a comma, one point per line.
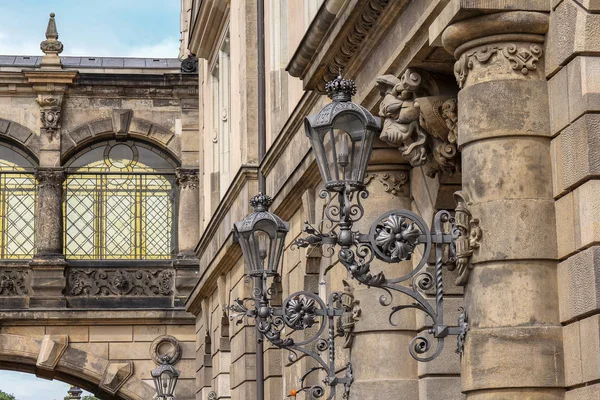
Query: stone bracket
x=51, y=350
x=115, y=376
x=420, y=118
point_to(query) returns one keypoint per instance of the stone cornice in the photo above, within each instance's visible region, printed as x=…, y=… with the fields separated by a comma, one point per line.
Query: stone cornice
x=346, y=37
x=208, y=26
x=90, y=316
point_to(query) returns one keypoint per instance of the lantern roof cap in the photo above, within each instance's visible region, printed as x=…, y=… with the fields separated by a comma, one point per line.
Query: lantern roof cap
x=164, y=368
x=261, y=203
x=340, y=89
x=327, y=115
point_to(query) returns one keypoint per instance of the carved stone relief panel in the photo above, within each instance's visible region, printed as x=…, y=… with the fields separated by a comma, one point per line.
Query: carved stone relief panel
x=120, y=282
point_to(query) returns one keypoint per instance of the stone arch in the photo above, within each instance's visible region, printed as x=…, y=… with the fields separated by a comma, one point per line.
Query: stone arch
x=52, y=357
x=15, y=133
x=103, y=129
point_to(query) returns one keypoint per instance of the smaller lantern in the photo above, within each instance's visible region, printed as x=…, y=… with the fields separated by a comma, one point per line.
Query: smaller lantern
x=165, y=378
x=75, y=393
x=341, y=136
x=261, y=236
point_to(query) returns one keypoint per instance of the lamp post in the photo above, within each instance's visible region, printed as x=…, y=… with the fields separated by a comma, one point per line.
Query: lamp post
x=261, y=236
x=342, y=136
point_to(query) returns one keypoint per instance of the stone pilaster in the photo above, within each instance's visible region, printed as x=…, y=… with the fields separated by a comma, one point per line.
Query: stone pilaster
x=514, y=346
x=48, y=265
x=383, y=366
x=188, y=232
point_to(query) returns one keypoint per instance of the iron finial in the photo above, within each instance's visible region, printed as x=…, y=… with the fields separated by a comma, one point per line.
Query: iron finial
x=261, y=202
x=340, y=89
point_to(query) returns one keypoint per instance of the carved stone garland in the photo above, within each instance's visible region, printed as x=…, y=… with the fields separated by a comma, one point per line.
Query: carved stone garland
x=423, y=125
x=120, y=282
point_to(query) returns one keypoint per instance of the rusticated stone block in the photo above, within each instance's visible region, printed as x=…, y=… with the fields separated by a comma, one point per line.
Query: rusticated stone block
x=583, y=85
x=402, y=389
x=578, y=279
x=516, y=230
x=573, y=30
x=572, y=348
x=589, y=330
x=576, y=153
x=440, y=388
x=389, y=346
x=101, y=126
x=557, y=89
x=591, y=5
x=565, y=228
x=497, y=358
x=496, y=297
x=584, y=393
x=103, y=333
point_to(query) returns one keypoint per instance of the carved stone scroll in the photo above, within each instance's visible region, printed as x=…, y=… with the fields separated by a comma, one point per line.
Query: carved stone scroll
x=420, y=118
x=350, y=316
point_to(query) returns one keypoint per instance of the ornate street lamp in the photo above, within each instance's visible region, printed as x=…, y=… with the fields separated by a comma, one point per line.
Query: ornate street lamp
x=165, y=379
x=342, y=135
x=342, y=138
x=261, y=236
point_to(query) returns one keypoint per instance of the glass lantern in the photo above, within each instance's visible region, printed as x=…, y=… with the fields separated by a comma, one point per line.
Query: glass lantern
x=261, y=236
x=165, y=378
x=342, y=136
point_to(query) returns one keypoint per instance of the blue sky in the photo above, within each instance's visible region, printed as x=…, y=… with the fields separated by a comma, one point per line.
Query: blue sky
x=123, y=28
x=28, y=387
x=120, y=28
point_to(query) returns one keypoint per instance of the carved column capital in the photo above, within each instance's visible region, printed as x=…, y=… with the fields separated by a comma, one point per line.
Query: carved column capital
x=187, y=178
x=419, y=112
x=50, y=177
x=509, y=46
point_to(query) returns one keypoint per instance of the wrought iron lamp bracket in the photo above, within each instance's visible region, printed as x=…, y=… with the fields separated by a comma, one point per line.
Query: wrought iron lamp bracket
x=397, y=236
x=300, y=311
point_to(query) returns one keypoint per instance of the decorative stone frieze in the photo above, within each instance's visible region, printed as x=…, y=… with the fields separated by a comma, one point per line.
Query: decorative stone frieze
x=13, y=283
x=120, y=282
x=115, y=376
x=187, y=178
x=522, y=57
x=421, y=120
x=51, y=349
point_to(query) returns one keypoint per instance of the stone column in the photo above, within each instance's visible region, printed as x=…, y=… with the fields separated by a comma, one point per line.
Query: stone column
x=188, y=232
x=49, y=262
x=514, y=347
x=383, y=366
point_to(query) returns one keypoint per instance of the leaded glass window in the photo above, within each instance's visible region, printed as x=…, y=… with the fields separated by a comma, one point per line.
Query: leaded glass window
x=120, y=203
x=17, y=203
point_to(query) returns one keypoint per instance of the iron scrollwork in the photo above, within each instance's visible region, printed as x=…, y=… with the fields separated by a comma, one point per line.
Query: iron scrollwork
x=401, y=235
x=301, y=311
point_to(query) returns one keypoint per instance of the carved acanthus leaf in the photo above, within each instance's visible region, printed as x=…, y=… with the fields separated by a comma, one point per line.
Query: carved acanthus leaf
x=13, y=283
x=120, y=282
x=392, y=183
x=420, y=123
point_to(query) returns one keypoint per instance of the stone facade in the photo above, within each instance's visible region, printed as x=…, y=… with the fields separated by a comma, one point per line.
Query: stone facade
x=517, y=89
x=92, y=321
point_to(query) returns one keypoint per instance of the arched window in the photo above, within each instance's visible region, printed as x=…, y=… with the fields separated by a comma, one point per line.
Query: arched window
x=17, y=203
x=120, y=203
